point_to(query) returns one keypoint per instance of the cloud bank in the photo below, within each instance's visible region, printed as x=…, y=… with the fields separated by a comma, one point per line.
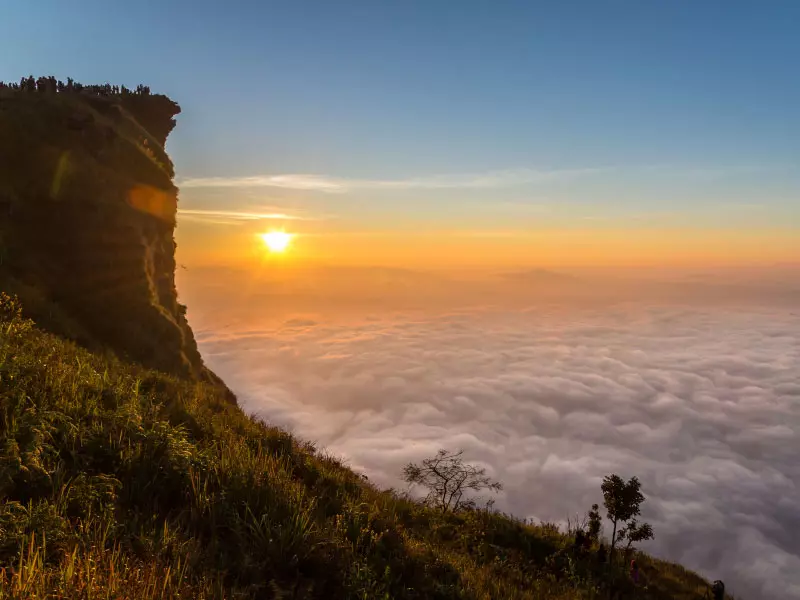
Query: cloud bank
x=702, y=404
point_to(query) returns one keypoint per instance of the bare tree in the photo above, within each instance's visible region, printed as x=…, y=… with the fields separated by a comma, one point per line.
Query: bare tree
x=447, y=478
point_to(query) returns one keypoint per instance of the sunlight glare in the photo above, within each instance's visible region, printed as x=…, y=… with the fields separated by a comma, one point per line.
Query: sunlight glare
x=276, y=241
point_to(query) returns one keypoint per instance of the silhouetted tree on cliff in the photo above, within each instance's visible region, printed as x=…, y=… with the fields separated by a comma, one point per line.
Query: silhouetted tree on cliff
x=594, y=525
x=51, y=85
x=623, y=500
x=635, y=532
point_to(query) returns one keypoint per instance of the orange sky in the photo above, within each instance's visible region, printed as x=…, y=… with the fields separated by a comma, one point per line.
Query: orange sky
x=224, y=244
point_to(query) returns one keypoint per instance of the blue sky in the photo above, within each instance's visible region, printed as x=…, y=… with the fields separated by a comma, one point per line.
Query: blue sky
x=672, y=106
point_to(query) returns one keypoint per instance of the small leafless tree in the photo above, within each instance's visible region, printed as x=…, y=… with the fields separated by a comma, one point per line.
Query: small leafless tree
x=447, y=477
x=579, y=523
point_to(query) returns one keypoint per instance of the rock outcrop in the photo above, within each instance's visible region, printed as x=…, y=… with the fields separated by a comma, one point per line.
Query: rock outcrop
x=87, y=213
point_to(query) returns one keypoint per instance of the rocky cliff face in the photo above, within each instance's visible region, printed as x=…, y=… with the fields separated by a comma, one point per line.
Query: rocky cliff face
x=87, y=213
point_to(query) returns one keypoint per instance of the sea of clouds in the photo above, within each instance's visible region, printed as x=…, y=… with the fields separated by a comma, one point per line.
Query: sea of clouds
x=701, y=402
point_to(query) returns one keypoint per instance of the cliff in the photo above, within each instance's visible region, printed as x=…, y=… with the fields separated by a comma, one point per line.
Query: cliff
x=87, y=213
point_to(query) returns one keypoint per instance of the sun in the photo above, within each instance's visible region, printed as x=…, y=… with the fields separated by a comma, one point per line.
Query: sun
x=277, y=241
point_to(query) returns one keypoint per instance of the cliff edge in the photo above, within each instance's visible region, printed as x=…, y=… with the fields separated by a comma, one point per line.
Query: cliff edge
x=87, y=213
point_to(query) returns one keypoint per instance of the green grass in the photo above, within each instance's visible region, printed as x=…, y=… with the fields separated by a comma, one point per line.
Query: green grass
x=120, y=482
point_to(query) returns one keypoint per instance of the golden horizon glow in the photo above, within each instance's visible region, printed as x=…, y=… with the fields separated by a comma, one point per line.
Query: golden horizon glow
x=277, y=241
x=200, y=243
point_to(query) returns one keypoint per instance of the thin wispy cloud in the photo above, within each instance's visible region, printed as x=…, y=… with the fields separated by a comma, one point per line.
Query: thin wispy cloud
x=480, y=180
x=233, y=217
x=717, y=171
x=338, y=185
x=295, y=182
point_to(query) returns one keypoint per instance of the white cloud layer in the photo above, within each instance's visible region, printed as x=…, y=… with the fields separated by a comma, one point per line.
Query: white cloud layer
x=336, y=185
x=703, y=405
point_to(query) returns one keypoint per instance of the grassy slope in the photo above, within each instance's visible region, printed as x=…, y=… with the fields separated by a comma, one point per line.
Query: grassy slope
x=120, y=480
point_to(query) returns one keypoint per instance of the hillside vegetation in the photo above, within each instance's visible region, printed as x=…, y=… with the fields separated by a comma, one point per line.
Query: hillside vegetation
x=126, y=471
x=123, y=482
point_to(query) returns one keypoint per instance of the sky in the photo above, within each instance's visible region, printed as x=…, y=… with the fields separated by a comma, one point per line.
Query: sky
x=440, y=134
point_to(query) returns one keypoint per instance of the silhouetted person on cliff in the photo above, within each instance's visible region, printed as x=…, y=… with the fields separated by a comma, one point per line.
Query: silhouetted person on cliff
x=718, y=590
x=635, y=572
x=577, y=547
